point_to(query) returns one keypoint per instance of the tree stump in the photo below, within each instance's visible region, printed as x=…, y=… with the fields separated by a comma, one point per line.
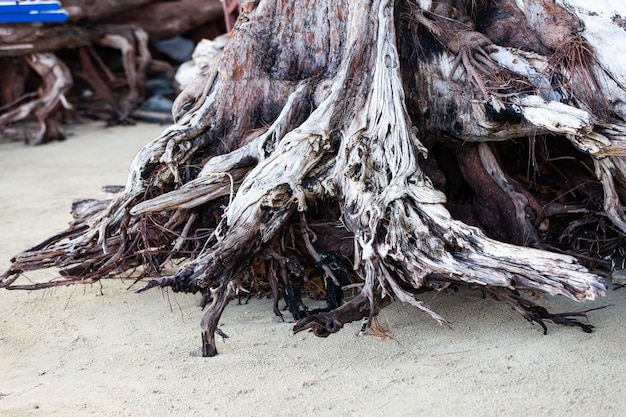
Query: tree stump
x=359, y=130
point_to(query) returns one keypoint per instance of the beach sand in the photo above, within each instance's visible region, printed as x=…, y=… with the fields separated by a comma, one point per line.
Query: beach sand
x=104, y=350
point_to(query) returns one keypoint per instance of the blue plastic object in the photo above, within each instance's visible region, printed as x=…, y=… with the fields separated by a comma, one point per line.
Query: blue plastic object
x=31, y=11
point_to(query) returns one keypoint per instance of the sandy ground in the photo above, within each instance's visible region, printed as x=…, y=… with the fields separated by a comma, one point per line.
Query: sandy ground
x=106, y=351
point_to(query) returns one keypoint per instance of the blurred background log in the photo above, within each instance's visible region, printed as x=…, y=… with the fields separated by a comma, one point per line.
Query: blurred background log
x=106, y=55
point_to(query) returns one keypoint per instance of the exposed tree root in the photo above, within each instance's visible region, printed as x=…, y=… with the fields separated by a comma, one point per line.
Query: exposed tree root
x=536, y=314
x=318, y=130
x=324, y=324
x=210, y=318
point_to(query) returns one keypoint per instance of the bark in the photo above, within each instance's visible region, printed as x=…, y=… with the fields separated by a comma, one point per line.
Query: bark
x=328, y=115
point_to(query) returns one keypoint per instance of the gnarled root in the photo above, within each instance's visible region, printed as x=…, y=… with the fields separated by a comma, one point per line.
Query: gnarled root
x=537, y=314
x=505, y=211
x=324, y=132
x=361, y=306
x=210, y=319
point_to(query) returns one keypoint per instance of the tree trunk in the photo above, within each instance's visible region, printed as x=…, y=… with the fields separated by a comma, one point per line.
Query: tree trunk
x=332, y=117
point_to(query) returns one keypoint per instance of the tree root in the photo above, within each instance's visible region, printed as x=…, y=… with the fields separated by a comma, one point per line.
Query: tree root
x=537, y=314
x=501, y=209
x=227, y=188
x=324, y=324
x=528, y=212
x=210, y=319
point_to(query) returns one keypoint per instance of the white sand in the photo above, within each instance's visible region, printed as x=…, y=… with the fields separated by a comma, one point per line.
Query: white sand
x=88, y=350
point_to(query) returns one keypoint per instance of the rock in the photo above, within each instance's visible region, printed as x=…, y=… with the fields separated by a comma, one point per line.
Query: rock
x=160, y=86
x=177, y=48
x=157, y=104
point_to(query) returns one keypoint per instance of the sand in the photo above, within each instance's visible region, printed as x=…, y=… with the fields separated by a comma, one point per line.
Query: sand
x=106, y=351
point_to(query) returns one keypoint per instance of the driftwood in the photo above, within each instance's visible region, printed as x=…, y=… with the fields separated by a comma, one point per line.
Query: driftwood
x=159, y=19
x=163, y=20
x=125, y=26
x=56, y=80
x=81, y=10
x=372, y=132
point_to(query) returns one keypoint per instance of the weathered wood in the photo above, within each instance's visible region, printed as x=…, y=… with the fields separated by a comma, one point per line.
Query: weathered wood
x=162, y=20
x=56, y=80
x=24, y=40
x=123, y=25
x=159, y=20
x=329, y=115
x=89, y=10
